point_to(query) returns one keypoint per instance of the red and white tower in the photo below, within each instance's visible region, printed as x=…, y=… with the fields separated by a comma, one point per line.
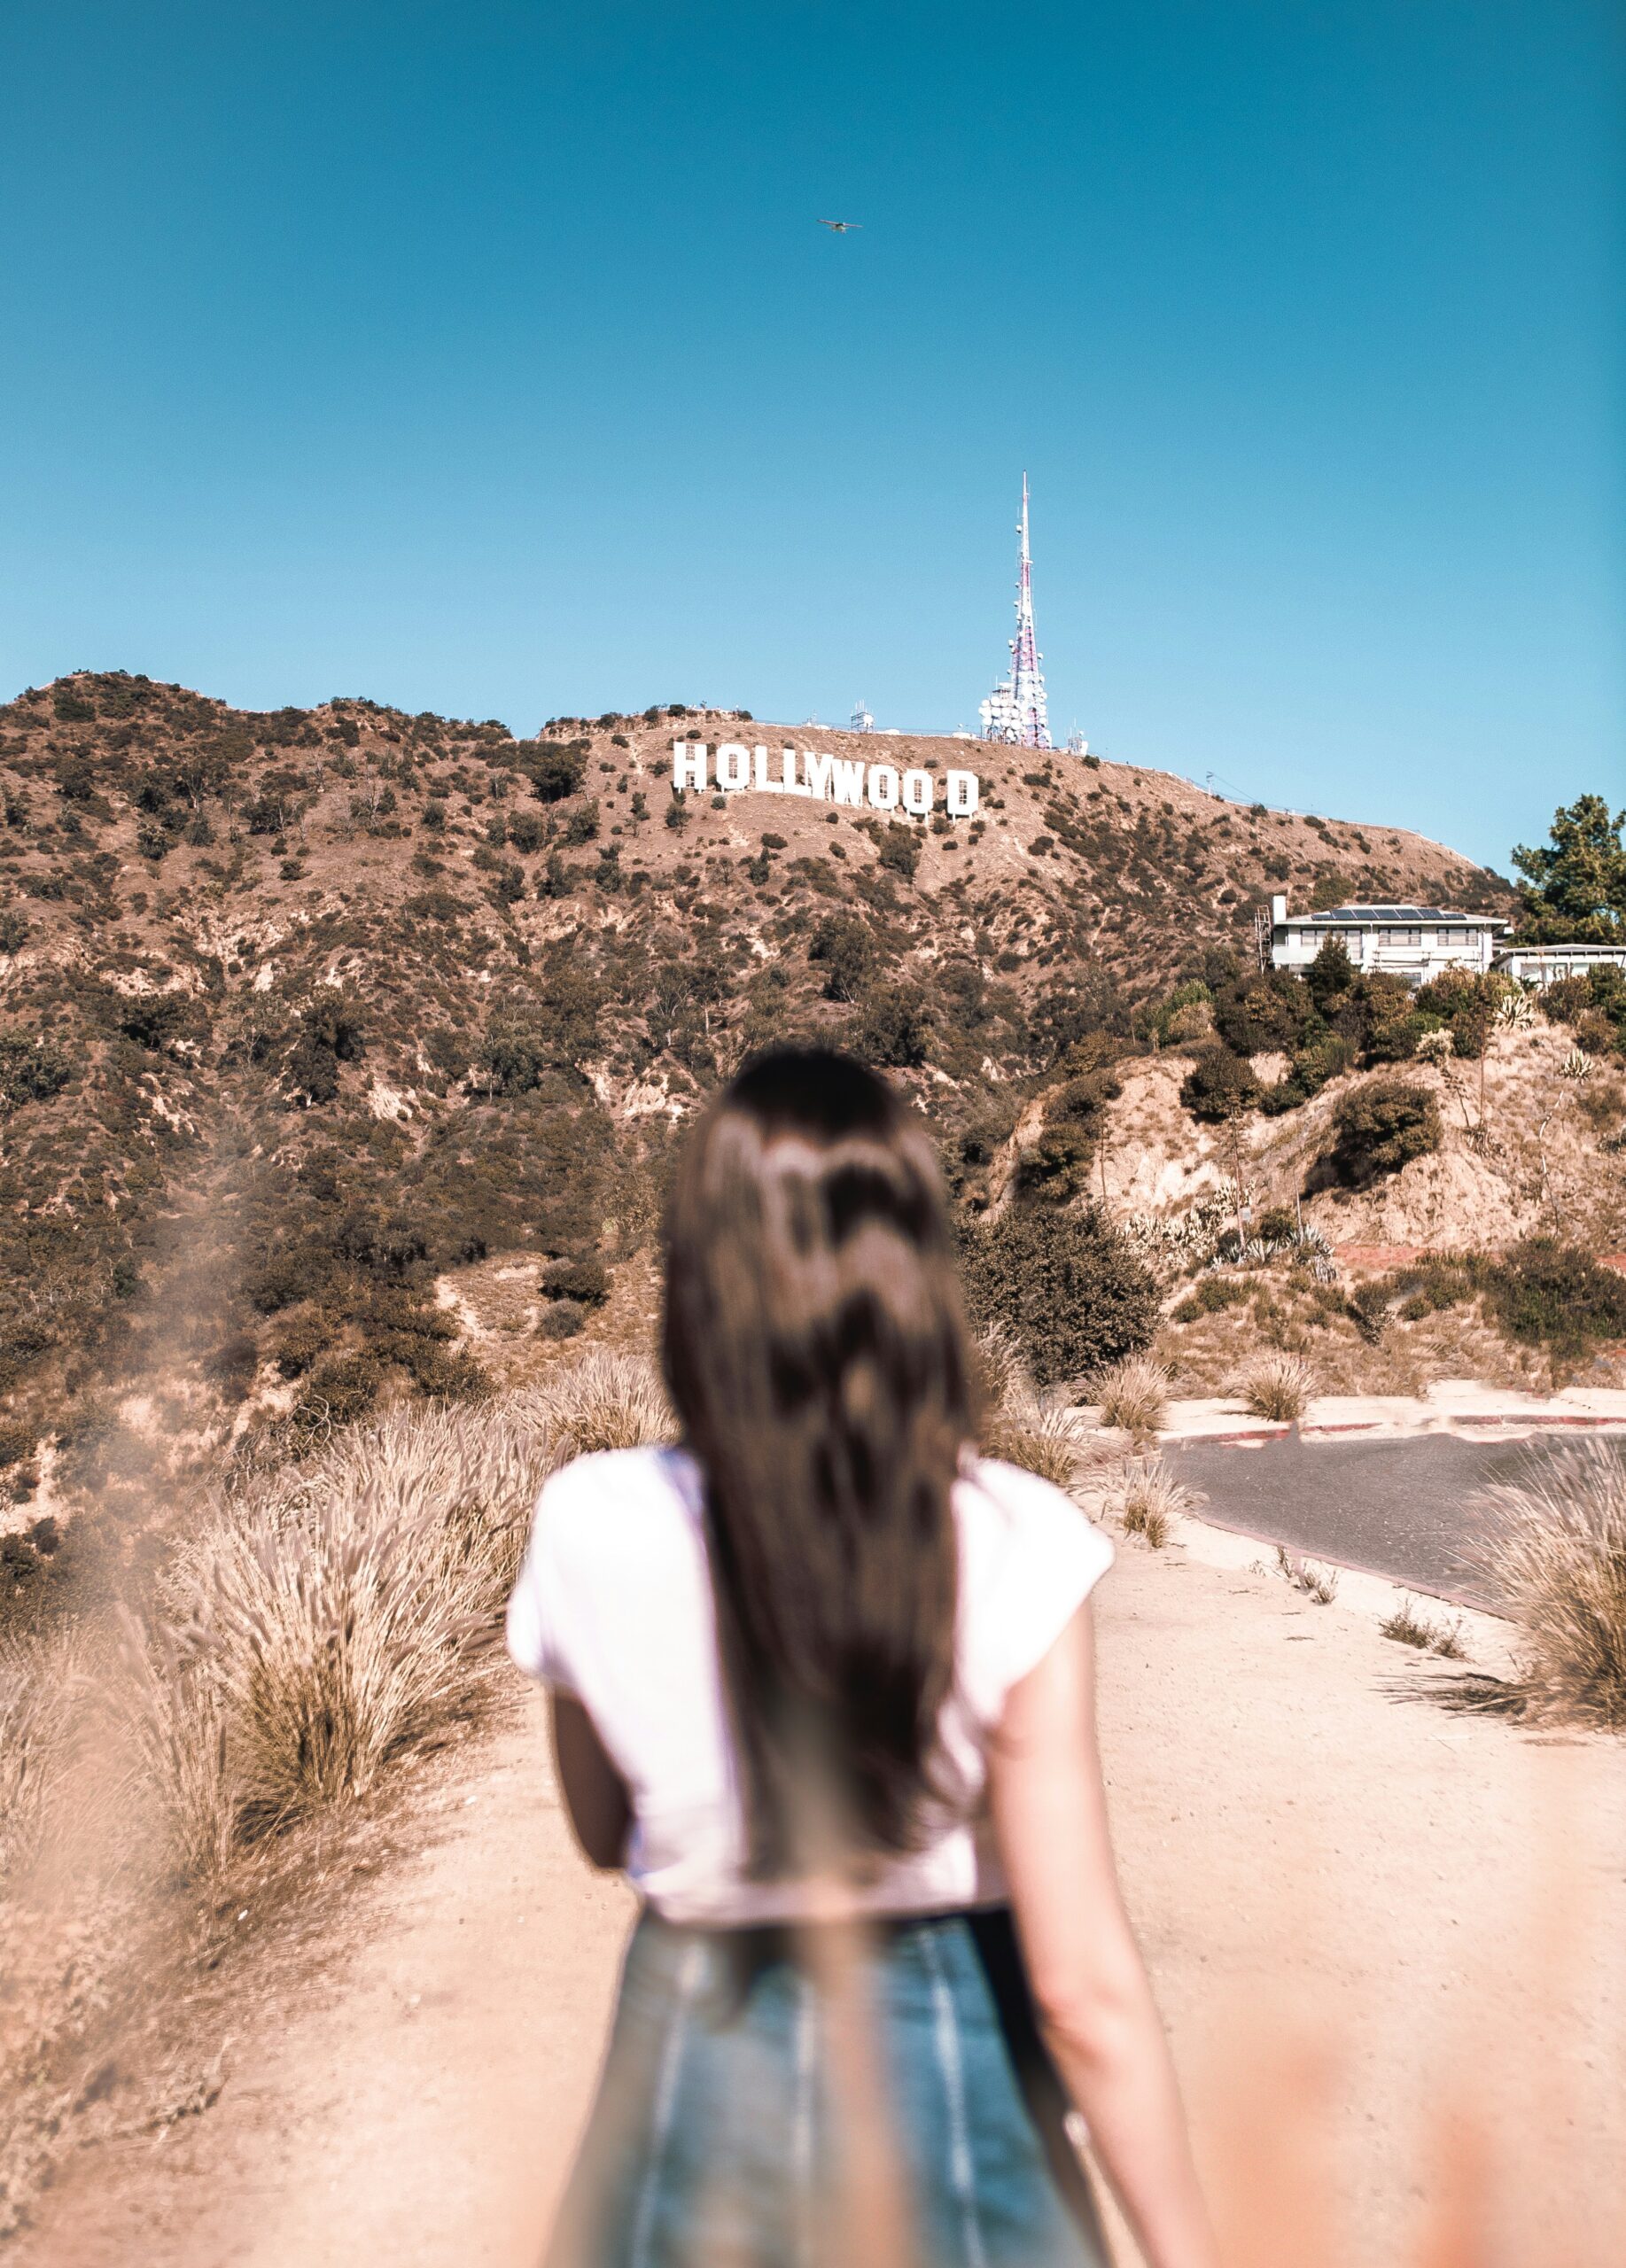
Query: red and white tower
x=1015, y=710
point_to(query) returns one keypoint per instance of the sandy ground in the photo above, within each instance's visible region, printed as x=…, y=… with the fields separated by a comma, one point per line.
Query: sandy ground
x=1368, y=1917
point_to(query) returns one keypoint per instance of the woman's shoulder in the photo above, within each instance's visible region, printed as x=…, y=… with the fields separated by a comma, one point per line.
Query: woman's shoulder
x=611, y=1531
x=1031, y=1556
x=600, y=1498
x=1017, y=1501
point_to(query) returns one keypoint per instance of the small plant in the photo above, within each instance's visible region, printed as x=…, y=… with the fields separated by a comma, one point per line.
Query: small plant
x=1408, y=1626
x=1278, y=1387
x=1307, y=1576
x=1150, y=1499
x=1556, y=1556
x=1133, y=1393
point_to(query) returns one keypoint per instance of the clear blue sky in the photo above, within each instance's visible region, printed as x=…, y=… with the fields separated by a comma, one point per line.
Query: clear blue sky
x=487, y=358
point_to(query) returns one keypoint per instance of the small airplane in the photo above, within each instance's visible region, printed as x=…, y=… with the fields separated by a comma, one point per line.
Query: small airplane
x=840, y=227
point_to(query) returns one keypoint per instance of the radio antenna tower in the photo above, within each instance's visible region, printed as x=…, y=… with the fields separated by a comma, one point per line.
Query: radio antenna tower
x=1015, y=710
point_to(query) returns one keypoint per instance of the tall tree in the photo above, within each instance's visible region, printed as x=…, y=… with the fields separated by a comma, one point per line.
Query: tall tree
x=1575, y=887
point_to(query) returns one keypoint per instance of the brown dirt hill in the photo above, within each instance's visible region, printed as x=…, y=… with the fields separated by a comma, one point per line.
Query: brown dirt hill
x=1525, y=1151
x=305, y=1012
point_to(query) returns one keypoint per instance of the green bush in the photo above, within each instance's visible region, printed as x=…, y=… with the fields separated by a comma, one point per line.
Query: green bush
x=1466, y=1003
x=843, y=948
x=30, y=1071
x=1597, y=1001
x=1546, y=1292
x=1219, y=1086
x=1310, y=1069
x=339, y=1390
x=894, y=1029
x=583, y=824
x=576, y=1279
x=1067, y=1284
x=1391, y=1024
x=1382, y=1128
x=901, y=850
x=1212, y=1295
x=556, y=769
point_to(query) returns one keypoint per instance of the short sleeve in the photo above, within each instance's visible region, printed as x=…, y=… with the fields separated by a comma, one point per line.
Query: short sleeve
x=1047, y=1560
x=534, y=1608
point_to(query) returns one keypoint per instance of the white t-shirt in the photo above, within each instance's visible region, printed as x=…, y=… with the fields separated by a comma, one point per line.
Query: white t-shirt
x=614, y=1605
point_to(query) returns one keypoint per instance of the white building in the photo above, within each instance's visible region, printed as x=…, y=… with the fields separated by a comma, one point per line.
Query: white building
x=1415, y=941
x=1544, y=965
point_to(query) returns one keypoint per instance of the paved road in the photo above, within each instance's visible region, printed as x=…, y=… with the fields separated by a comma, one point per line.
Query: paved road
x=1403, y=1508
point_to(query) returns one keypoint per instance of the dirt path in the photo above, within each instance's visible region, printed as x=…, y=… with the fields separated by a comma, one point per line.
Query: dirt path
x=1354, y=1904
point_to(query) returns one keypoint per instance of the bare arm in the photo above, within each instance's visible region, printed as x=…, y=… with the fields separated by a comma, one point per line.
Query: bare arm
x=1090, y=1986
x=594, y=1793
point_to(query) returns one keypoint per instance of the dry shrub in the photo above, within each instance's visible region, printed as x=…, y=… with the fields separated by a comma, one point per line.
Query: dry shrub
x=1556, y=1553
x=1150, y=1496
x=1054, y=1442
x=1316, y=1581
x=1047, y=1439
x=1278, y=1387
x=37, y=1681
x=1001, y=1372
x=1133, y=1393
x=605, y=1400
x=1408, y=1626
x=327, y=1618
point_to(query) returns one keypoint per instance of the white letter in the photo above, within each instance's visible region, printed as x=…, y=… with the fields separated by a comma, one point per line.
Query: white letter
x=733, y=766
x=963, y=790
x=883, y=787
x=816, y=775
x=688, y=764
x=847, y=777
x=790, y=785
x=764, y=786
x=917, y=793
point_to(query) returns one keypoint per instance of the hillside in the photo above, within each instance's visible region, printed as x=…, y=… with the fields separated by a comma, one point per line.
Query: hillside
x=305, y=1012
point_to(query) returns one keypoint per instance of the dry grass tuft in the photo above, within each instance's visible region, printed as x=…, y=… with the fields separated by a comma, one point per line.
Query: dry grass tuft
x=606, y=1400
x=1041, y=1437
x=325, y=1619
x=1308, y=1575
x=1556, y=1553
x=1149, y=1498
x=1133, y=1393
x=1003, y=1373
x=37, y=1681
x=1408, y=1626
x=1054, y=1442
x=1278, y=1387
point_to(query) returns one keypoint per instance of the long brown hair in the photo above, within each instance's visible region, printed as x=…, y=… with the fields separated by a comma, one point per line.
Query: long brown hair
x=815, y=1351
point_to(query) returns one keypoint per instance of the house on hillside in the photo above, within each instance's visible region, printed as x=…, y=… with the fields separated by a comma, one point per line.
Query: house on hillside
x=1415, y=941
x=1544, y=965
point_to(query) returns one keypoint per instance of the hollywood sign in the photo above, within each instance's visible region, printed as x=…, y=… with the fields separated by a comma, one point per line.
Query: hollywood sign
x=823, y=779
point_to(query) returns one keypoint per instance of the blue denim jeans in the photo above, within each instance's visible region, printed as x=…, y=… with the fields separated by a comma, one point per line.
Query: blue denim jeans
x=716, y=2138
